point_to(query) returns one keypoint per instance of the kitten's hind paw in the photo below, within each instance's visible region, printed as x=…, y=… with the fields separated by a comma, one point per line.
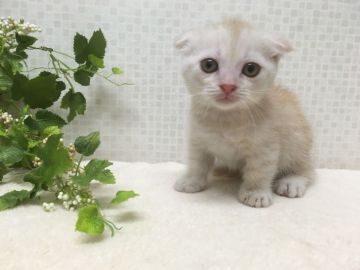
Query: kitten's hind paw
x=291, y=186
x=255, y=198
x=190, y=185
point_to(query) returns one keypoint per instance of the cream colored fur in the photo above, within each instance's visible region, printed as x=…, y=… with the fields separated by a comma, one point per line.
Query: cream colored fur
x=263, y=134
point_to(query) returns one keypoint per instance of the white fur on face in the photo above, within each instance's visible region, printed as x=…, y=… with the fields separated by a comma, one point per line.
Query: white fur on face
x=231, y=51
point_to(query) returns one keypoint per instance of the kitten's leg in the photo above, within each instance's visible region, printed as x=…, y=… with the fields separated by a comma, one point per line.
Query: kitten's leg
x=258, y=174
x=195, y=179
x=295, y=185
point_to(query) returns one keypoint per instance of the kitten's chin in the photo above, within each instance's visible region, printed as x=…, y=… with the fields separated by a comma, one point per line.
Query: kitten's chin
x=226, y=102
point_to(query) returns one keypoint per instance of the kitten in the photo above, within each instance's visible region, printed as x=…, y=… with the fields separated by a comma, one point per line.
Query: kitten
x=240, y=117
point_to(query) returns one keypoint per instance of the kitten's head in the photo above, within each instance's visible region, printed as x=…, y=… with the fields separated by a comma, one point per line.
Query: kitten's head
x=230, y=64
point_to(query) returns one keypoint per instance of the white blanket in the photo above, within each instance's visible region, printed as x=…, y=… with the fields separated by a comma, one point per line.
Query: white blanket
x=164, y=229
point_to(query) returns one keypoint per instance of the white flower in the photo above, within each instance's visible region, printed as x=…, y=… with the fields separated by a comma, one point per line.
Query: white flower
x=48, y=206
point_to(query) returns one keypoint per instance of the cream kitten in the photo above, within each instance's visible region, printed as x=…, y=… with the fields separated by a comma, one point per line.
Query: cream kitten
x=240, y=117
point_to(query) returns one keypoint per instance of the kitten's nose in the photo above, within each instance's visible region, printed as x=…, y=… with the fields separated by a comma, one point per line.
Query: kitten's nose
x=227, y=88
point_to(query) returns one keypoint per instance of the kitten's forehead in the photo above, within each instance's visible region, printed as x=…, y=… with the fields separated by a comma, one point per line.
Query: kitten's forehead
x=232, y=39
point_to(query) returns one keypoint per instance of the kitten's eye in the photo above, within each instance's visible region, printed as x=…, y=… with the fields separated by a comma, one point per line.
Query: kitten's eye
x=209, y=65
x=251, y=69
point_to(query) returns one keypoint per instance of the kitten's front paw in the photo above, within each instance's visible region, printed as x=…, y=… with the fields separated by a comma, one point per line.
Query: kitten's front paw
x=256, y=198
x=291, y=186
x=190, y=185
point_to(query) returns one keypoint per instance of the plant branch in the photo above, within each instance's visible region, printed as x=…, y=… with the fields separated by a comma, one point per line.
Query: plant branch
x=78, y=166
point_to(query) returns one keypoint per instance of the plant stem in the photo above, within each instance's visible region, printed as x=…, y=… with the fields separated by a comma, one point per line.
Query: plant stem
x=78, y=166
x=106, y=78
x=64, y=54
x=53, y=59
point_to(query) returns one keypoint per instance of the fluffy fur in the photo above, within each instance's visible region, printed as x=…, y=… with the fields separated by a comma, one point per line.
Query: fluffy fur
x=259, y=130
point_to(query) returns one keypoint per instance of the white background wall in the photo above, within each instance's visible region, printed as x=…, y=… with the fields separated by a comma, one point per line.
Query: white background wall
x=146, y=122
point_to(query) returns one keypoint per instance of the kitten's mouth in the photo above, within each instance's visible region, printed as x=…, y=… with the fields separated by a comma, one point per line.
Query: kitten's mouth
x=226, y=98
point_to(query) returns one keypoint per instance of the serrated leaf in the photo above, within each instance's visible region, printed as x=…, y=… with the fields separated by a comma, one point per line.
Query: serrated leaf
x=106, y=177
x=19, y=55
x=122, y=196
x=117, y=71
x=91, y=69
x=86, y=145
x=16, y=133
x=55, y=161
x=81, y=180
x=32, y=124
x=60, y=85
x=34, y=143
x=90, y=220
x=80, y=48
x=13, y=198
x=10, y=154
x=51, y=130
x=82, y=77
x=95, y=170
x=17, y=89
x=41, y=91
x=96, y=61
x=97, y=44
x=24, y=41
x=76, y=102
x=47, y=118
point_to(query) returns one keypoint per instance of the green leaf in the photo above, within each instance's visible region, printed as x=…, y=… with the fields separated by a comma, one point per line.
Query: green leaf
x=97, y=44
x=51, y=130
x=41, y=91
x=24, y=41
x=13, y=198
x=106, y=177
x=3, y=170
x=96, y=61
x=32, y=124
x=82, y=77
x=117, y=71
x=5, y=75
x=55, y=161
x=16, y=133
x=3, y=132
x=80, y=48
x=48, y=118
x=90, y=220
x=95, y=170
x=81, y=180
x=60, y=85
x=76, y=102
x=86, y=145
x=19, y=55
x=10, y=155
x=122, y=196
x=17, y=89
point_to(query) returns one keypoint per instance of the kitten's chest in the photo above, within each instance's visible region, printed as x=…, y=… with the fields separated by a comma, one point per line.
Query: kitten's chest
x=229, y=145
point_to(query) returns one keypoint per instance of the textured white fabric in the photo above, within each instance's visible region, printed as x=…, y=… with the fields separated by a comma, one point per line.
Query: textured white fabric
x=164, y=229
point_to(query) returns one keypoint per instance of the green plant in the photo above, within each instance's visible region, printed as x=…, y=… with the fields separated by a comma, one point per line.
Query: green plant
x=30, y=134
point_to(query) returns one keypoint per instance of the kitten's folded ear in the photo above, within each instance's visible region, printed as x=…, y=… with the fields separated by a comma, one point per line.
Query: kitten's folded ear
x=183, y=42
x=278, y=46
